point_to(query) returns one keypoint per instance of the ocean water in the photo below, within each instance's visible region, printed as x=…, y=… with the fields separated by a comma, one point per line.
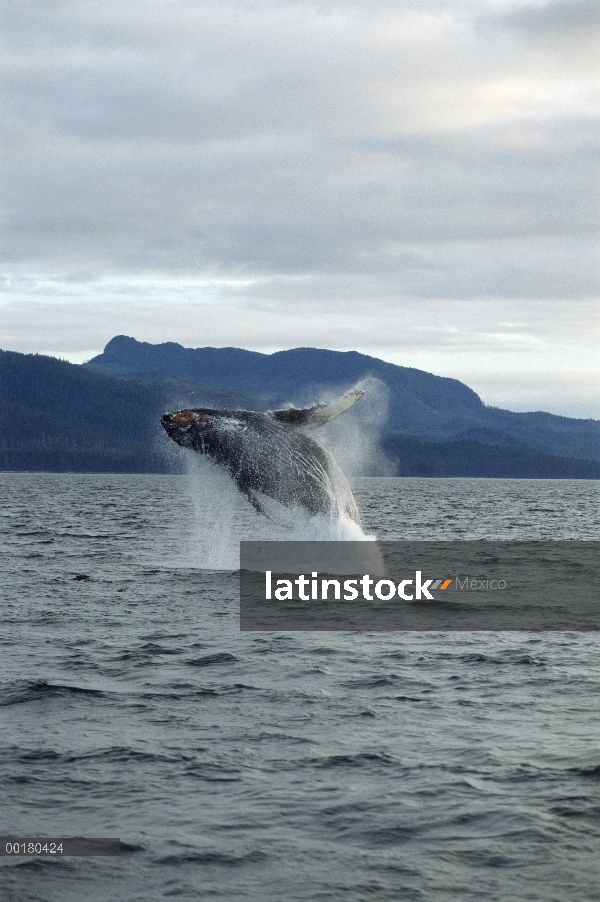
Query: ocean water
x=301, y=766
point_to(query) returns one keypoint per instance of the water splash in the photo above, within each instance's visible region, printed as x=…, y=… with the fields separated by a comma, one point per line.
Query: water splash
x=222, y=518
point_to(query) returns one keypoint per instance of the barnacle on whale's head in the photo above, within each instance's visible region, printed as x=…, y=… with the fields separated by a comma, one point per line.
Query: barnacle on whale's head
x=182, y=418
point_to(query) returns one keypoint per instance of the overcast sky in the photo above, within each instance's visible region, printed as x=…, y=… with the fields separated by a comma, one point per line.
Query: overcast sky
x=414, y=180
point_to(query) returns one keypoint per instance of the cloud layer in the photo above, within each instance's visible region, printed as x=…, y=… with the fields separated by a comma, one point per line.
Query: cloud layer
x=331, y=159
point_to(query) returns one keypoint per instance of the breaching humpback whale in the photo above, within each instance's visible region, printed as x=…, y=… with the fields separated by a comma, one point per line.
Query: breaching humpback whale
x=270, y=453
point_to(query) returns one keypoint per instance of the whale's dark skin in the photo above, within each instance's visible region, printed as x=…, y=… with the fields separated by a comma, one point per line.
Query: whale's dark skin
x=270, y=454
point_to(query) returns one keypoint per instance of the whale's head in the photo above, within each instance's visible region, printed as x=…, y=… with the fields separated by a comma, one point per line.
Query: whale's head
x=186, y=427
x=203, y=429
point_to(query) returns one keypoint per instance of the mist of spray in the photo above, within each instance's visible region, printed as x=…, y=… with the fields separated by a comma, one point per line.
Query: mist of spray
x=354, y=437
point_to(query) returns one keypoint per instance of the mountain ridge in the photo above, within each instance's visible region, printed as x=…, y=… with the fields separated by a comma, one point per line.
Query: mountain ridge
x=420, y=404
x=59, y=417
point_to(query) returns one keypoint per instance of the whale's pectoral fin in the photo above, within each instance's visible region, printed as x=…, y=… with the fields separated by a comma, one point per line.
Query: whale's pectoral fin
x=245, y=489
x=255, y=503
x=313, y=417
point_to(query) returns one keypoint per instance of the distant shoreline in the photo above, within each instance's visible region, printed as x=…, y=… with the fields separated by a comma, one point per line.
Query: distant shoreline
x=379, y=476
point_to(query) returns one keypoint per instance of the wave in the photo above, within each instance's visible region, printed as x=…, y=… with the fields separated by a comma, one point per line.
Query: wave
x=210, y=660
x=215, y=858
x=23, y=691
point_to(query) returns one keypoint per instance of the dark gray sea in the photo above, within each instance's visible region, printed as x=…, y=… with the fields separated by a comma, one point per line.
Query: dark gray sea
x=306, y=767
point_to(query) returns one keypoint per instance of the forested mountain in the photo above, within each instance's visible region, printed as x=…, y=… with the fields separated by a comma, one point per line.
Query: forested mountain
x=419, y=404
x=59, y=417
x=414, y=457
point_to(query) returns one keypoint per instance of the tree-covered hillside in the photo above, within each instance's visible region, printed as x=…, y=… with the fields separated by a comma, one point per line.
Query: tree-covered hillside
x=413, y=457
x=419, y=404
x=59, y=417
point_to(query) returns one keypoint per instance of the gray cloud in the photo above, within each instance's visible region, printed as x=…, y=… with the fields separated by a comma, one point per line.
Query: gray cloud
x=342, y=156
x=565, y=18
x=289, y=137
